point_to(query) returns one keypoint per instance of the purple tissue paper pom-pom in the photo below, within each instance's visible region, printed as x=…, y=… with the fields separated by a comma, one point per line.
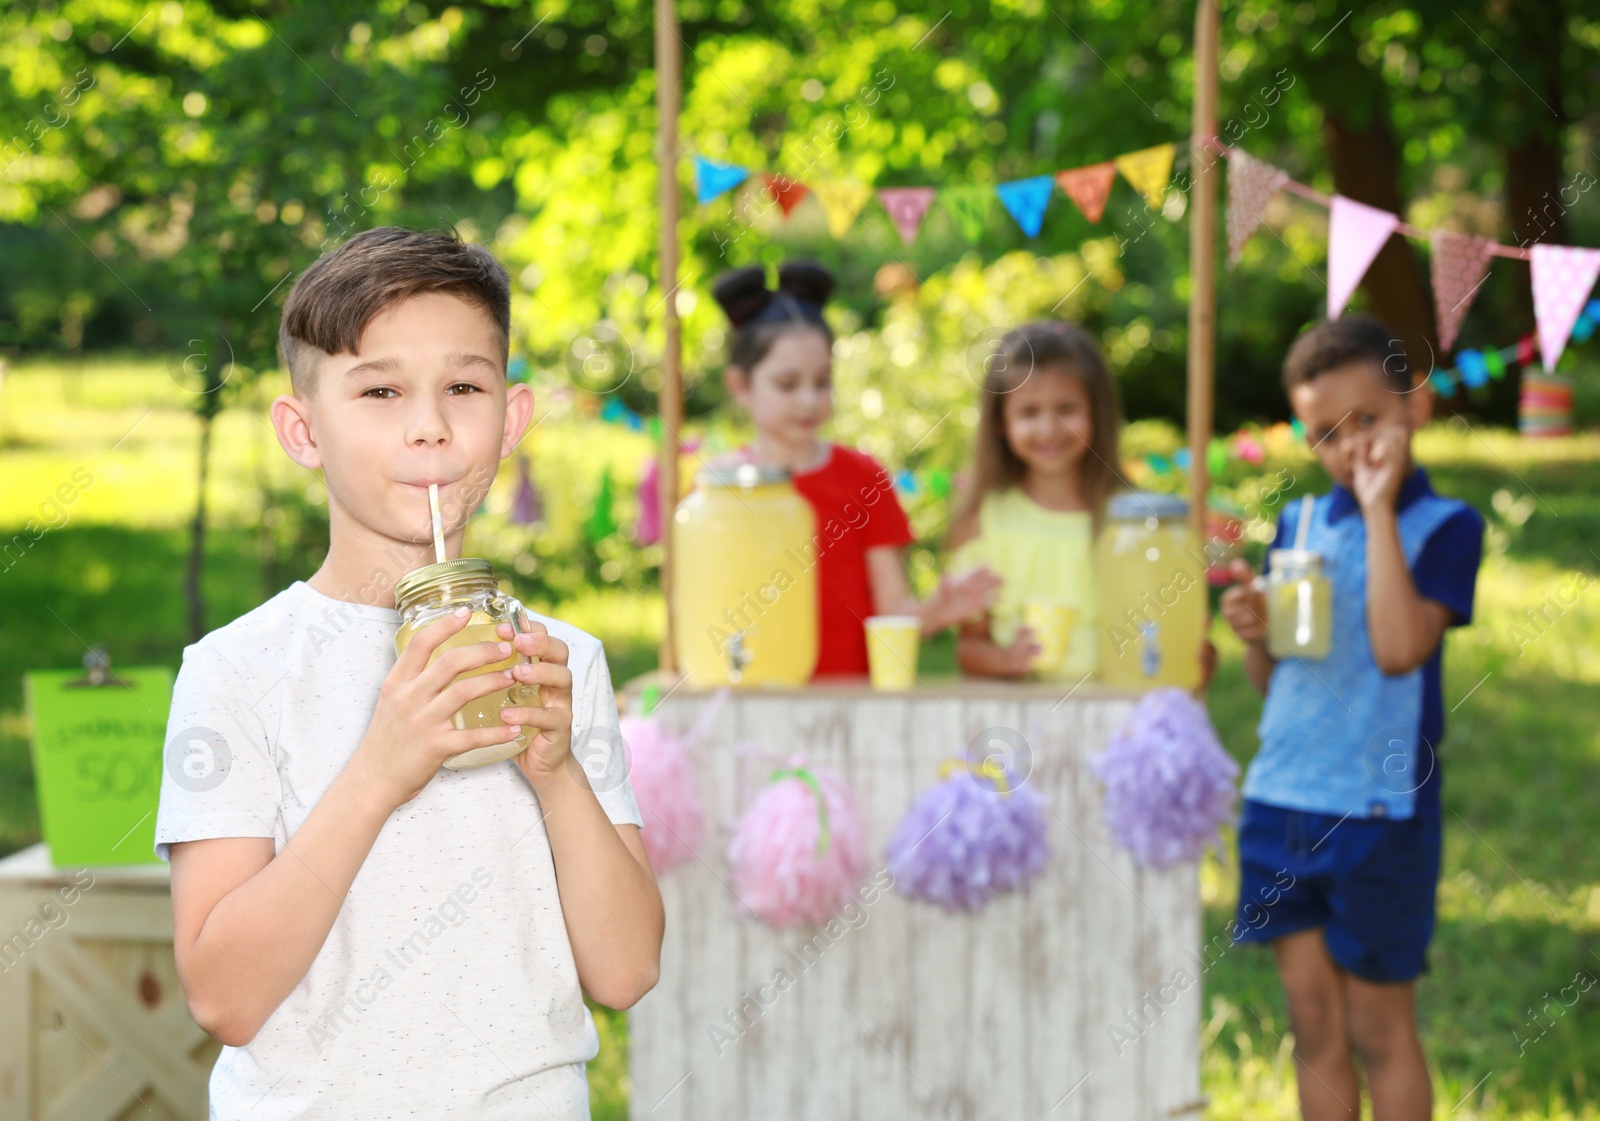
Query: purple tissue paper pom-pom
x=962, y=842
x=1169, y=785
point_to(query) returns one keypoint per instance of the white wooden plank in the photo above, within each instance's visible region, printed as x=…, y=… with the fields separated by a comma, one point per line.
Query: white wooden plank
x=878, y=1019
x=941, y=945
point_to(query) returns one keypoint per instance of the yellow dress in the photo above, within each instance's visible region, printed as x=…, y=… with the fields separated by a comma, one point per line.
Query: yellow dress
x=1040, y=554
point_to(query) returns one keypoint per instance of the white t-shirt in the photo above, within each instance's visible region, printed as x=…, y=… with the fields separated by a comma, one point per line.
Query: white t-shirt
x=446, y=988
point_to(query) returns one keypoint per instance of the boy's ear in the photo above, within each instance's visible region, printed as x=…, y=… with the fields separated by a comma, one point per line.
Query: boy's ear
x=519, y=410
x=1420, y=402
x=291, y=420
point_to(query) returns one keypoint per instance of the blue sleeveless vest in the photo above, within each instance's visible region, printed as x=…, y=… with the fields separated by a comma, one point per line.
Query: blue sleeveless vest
x=1339, y=736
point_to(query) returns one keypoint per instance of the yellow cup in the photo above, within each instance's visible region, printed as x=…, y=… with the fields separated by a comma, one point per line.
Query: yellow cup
x=892, y=650
x=1051, y=624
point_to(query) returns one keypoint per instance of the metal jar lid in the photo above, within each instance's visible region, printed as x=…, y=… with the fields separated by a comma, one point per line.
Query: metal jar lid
x=419, y=582
x=1136, y=505
x=744, y=475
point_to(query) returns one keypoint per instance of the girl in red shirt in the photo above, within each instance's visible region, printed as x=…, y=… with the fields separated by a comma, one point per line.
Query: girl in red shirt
x=780, y=368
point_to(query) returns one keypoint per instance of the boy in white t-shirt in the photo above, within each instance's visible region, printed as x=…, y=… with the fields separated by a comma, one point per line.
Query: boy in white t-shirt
x=370, y=935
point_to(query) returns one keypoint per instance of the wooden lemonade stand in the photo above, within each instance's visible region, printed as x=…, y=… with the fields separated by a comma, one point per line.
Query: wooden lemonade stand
x=1079, y=998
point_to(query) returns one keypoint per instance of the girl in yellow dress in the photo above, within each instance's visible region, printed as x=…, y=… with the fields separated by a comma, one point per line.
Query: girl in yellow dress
x=1045, y=464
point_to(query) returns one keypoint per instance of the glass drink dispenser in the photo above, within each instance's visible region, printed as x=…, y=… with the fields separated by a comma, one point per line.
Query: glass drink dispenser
x=1152, y=594
x=744, y=586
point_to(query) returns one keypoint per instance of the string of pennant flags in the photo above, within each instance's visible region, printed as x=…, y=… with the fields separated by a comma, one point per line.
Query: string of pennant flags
x=1563, y=275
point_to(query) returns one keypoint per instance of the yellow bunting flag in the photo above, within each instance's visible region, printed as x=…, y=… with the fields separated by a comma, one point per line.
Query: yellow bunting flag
x=1149, y=170
x=842, y=202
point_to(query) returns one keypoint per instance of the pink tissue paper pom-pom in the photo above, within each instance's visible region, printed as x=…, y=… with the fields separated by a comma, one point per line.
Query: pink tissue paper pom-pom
x=1169, y=785
x=778, y=873
x=668, y=796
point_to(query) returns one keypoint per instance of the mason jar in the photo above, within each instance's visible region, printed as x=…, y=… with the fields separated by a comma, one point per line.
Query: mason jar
x=434, y=591
x=1299, y=605
x=1152, y=593
x=744, y=580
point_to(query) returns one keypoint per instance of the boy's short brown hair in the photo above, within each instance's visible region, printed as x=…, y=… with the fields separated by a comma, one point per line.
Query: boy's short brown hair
x=1343, y=341
x=334, y=300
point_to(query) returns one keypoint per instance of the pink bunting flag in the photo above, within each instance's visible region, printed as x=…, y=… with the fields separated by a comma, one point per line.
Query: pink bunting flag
x=1562, y=278
x=1356, y=232
x=907, y=206
x=1251, y=183
x=1460, y=262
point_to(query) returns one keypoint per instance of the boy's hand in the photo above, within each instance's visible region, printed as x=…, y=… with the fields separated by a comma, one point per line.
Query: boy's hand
x=549, y=751
x=1377, y=467
x=1244, y=606
x=410, y=735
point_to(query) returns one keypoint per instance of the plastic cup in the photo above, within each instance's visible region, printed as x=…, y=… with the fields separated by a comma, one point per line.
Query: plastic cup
x=892, y=642
x=1051, y=624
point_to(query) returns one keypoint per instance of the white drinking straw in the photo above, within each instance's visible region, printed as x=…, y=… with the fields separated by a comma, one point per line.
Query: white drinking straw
x=1304, y=527
x=438, y=522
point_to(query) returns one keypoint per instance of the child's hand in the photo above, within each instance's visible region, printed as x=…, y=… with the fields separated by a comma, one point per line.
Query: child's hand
x=1377, y=466
x=1244, y=606
x=410, y=735
x=549, y=751
x=963, y=597
x=1018, y=657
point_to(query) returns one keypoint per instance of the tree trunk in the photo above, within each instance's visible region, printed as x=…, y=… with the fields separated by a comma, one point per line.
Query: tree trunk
x=1365, y=161
x=197, y=537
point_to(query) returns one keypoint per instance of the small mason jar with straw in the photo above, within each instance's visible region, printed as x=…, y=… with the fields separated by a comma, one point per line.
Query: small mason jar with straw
x=1299, y=597
x=434, y=591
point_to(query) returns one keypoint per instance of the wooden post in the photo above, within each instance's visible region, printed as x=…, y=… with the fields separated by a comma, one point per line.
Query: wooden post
x=1205, y=168
x=669, y=399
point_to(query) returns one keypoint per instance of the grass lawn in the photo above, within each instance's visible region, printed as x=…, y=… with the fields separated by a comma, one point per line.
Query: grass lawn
x=1519, y=902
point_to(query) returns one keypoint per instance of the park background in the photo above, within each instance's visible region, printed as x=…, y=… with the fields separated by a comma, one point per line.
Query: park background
x=168, y=169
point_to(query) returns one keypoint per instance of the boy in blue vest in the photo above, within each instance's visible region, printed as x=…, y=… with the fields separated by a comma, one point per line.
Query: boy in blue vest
x=1340, y=834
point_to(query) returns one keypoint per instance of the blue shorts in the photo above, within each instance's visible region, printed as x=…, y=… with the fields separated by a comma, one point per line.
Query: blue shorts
x=1369, y=883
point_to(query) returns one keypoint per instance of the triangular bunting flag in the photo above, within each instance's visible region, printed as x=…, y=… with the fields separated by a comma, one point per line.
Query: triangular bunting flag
x=1562, y=277
x=786, y=192
x=969, y=206
x=842, y=202
x=712, y=178
x=1459, y=265
x=1026, y=199
x=907, y=206
x=1088, y=187
x=1149, y=170
x=1356, y=232
x=1250, y=184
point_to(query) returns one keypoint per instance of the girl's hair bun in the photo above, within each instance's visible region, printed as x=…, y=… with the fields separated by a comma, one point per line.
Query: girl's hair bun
x=742, y=293
x=806, y=281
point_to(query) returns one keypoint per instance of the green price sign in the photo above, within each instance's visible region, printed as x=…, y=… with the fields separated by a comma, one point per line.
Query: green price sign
x=97, y=753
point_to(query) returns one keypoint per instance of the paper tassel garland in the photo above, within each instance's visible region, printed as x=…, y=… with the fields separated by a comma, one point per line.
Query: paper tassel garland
x=1562, y=278
x=1026, y=200
x=526, y=506
x=1169, y=785
x=969, y=838
x=1459, y=264
x=1251, y=184
x=797, y=855
x=1356, y=232
x=1149, y=170
x=1088, y=187
x=906, y=206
